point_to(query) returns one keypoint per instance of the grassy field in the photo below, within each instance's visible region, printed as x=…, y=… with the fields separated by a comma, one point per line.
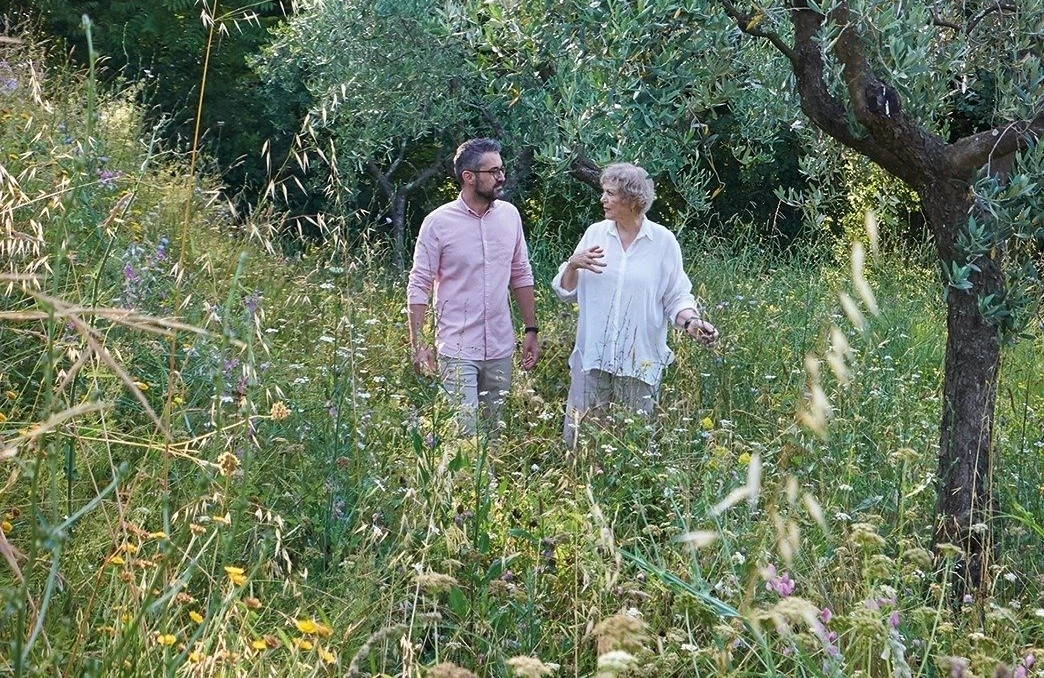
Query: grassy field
x=215, y=459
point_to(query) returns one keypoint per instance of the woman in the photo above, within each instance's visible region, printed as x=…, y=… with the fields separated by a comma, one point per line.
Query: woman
x=627, y=278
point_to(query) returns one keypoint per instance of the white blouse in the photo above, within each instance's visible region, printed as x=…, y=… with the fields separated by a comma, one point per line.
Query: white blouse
x=626, y=309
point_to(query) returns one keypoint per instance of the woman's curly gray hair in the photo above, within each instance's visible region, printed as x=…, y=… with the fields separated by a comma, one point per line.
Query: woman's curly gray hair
x=632, y=182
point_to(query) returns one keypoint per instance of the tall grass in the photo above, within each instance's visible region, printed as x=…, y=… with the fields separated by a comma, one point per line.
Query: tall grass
x=217, y=460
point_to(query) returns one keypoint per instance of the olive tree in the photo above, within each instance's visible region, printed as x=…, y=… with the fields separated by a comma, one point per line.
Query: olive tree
x=389, y=96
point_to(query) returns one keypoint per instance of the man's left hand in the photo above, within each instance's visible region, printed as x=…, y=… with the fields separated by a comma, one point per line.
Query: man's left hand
x=530, y=351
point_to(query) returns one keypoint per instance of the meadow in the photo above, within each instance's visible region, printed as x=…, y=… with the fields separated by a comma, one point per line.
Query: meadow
x=215, y=458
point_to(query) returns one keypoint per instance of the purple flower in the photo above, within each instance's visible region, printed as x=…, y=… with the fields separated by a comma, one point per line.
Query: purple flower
x=826, y=615
x=783, y=585
x=893, y=619
x=1019, y=672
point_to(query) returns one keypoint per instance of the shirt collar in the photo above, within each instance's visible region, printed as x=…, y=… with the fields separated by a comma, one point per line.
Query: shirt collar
x=464, y=206
x=644, y=232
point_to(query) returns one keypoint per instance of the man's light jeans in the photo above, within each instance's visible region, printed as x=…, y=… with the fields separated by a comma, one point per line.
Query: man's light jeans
x=477, y=388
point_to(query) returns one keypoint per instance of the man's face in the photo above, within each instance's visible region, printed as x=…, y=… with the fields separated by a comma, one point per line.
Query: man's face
x=489, y=177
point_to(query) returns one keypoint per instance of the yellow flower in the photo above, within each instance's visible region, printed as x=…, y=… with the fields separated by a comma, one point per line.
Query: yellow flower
x=303, y=644
x=6, y=526
x=3, y=417
x=195, y=616
x=129, y=548
x=327, y=656
x=115, y=560
x=279, y=411
x=157, y=535
x=166, y=639
x=743, y=459
x=706, y=423
x=195, y=657
x=236, y=574
x=11, y=395
x=306, y=625
x=258, y=644
x=142, y=386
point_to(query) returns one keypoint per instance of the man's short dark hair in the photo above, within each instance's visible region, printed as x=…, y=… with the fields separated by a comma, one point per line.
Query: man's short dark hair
x=469, y=152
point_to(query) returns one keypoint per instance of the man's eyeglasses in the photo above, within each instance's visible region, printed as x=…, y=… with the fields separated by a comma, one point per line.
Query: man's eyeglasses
x=496, y=171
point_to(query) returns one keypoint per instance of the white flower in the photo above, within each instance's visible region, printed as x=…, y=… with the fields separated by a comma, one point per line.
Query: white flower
x=326, y=339
x=616, y=661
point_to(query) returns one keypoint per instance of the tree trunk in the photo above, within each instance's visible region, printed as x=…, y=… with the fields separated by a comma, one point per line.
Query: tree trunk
x=398, y=228
x=964, y=501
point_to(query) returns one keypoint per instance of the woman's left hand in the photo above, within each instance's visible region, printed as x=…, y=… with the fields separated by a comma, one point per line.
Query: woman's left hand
x=702, y=331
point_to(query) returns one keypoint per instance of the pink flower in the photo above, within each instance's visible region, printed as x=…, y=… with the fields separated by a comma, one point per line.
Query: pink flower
x=826, y=615
x=893, y=619
x=783, y=585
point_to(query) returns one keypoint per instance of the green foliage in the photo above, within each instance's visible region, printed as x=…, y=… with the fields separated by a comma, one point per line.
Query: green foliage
x=159, y=45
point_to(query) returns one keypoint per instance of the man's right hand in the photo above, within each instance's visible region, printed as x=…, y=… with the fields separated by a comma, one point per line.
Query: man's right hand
x=424, y=360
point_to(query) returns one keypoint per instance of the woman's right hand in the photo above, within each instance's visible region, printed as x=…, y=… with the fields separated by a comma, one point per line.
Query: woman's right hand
x=589, y=260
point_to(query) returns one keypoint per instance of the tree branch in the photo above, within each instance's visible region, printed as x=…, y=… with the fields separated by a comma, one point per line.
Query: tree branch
x=748, y=23
x=972, y=152
x=975, y=20
x=585, y=171
x=383, y=180
x=439, y=165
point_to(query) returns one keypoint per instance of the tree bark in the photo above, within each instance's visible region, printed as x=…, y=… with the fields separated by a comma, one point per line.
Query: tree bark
x=964, y=498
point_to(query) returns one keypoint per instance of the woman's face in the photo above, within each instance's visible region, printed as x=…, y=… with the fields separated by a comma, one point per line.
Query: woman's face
x=615, y=204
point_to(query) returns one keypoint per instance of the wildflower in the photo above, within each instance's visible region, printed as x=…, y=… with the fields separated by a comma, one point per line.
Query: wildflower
x=312, y=628
x=236, y=575
x=434, y=582
x=303, y=644
x=3, y=417
x=141, y=385
x=258, y=644
x=706, y=423
x=157, y=535
x=166, y=639
x=228, y=463
x=195, y=657
x=743, y=459
x=826, y=615
x=893, y=619
x=115, y=560
x=449, y=670
x=865, y=535
x=197, y=529
x=528, y=667
x=949, y=550
x=327, y=656
x=620, y=632
x=783, y=585
x=614, y=663
x=279, y=411
x=195, y=616
x=11, y=395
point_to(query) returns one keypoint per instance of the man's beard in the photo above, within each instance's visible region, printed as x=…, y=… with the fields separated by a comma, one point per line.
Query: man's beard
x=492, y=194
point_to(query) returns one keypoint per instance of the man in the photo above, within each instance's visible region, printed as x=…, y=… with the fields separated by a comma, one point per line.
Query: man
x=471, y=252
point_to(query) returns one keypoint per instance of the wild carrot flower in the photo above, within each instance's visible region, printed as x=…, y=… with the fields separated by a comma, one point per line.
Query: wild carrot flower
x=279, y=411
x=528, y=667
x=227, y=463
x=449, y=670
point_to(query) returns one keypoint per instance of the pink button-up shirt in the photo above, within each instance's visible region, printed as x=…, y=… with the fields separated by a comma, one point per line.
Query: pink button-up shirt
x=471, y=261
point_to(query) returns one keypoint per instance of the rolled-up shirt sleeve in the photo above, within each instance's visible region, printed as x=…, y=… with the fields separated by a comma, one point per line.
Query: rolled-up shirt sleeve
x=521, y=269
x=425, y=265
x=563, y=295
x=677, y=288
